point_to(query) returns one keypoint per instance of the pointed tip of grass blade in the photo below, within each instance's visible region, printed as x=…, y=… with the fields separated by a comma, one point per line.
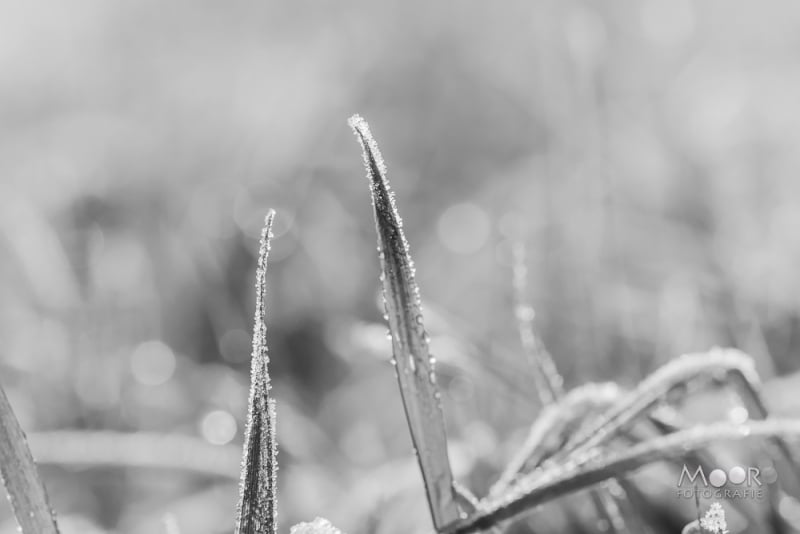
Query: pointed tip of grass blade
x=414, y=366
x=376, y=168
x=26, y=492
x=256, y=511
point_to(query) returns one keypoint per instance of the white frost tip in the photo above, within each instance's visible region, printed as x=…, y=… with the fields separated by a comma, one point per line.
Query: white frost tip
x=318, y=526
x=372, y=155
x=714, y=520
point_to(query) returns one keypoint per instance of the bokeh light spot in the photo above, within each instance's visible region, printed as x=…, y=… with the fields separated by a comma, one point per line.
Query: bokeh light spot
x=152, y=363
x=737, y=474
x=717, y=478
x=738, y=415
x=218, y=427
x=464, y=228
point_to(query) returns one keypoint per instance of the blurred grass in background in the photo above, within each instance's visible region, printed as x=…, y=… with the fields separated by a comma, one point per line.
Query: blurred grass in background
x=647, y=152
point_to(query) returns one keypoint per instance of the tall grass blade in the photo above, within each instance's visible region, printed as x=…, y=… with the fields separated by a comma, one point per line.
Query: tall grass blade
x=413, y=363
x=26, y=492
x=549, y=383
x=538, y=488
x=256, y=512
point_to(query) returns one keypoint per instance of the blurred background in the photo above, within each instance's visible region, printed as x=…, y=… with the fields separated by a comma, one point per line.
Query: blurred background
x=646, y=151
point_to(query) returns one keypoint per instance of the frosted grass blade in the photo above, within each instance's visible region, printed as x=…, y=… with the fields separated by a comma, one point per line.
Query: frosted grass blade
x=554, y=426
x=414, y=366
x=538, y=488
x=26, y=492
x=256, y=511
x=549, y=383
x=654, y=388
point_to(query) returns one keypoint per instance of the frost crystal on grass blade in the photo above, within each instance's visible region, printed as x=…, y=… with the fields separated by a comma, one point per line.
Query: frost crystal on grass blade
x=257, y=489
x=714, y=520
x=414, y=365
x=26, y=492
x=318, y=526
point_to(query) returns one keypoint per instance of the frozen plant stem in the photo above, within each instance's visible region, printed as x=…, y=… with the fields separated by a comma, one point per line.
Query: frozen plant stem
x=413, y=364
x=256, y=511
x=26, y=492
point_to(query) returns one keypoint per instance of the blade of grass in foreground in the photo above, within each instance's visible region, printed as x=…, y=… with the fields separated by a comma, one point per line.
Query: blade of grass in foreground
x=540, y=487
x=26, y=492
x=257, y=490
x=413, y=364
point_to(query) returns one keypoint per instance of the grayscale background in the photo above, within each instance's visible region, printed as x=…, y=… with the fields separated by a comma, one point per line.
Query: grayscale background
x=646, y=151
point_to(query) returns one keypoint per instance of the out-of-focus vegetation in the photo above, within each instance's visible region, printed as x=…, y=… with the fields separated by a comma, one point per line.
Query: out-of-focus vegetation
x=646, y=151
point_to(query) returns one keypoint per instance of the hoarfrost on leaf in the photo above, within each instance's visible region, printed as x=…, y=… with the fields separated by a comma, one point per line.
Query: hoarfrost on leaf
x=714, y=519
x=256, y=510
x=318, y=526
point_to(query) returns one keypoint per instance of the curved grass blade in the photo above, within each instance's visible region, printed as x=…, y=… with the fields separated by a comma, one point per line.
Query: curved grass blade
x=413, y=364
x=538, y=488
x=26, y=492
x=653, y=389
x=256, y=511
x=549, y=384
x=552, y=429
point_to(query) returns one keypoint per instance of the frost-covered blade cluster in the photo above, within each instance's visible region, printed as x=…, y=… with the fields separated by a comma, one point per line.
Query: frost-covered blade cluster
x=26, y=493
x=655, y=388
x=553, y=427
x=256, y=511
x=714, y=519
x=540, y=487
x=414, y=365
